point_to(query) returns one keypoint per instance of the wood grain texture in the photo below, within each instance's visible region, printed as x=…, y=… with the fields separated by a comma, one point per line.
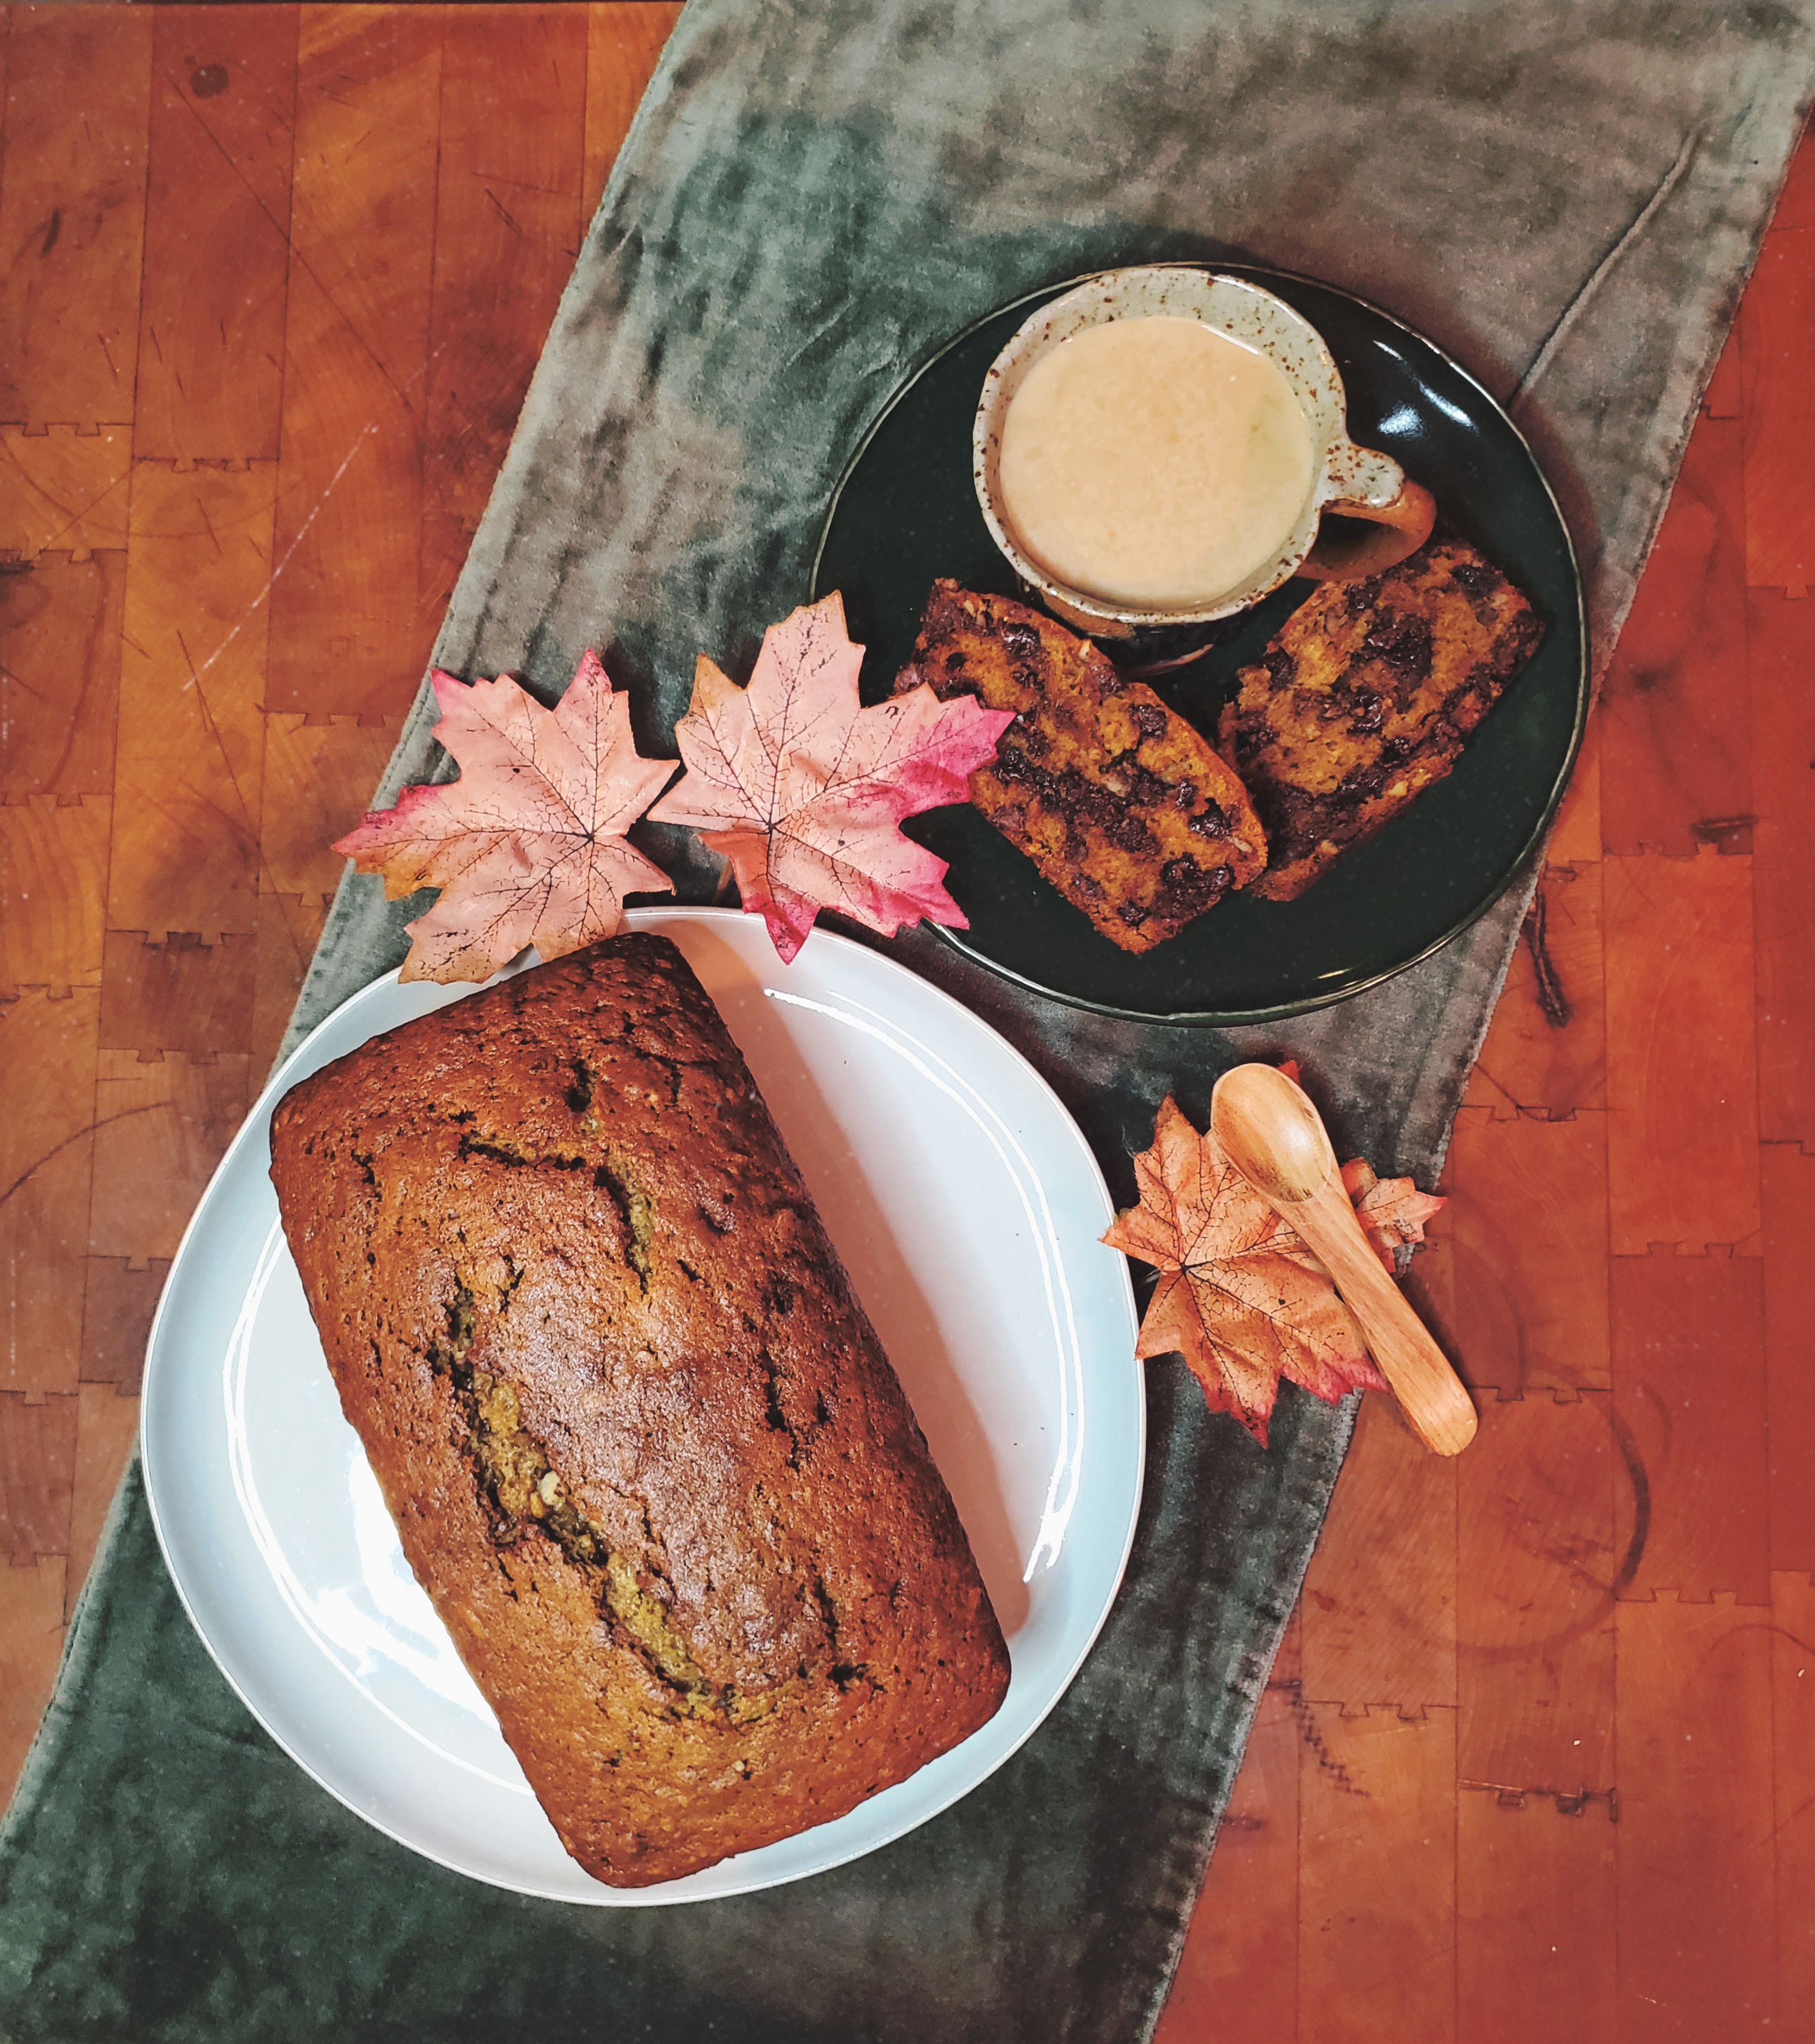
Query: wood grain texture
x=32, y=1623
x=59, y=675
x=1529, y=1309
x=1539, y=1542
x=1377, y=1617
x=1536, y=1917
x=1793, y=1749
x=327, y=772
x=49, y=1050
x=263, y=329
x=513, y=118
x=72, y=214
x=160, y=1124
x=37, y=1474
x=1377, y=1876
x=1789, y=1190
x=53, y=879
x=1547, y=1054
x=119, y=1297
x=64, y=491
x=1538, y=1519
x=1688, y=1386
x=106, y=1419
x=176, y=992
x=345, y=635
x=1778, y=411
x=290, y=926
x=624, y=38
x=1778, y=651
x=1676, y=747
x=1683, y=1158
x=189, y=759
x=1697, y=1871
x=1240, y=1960
x=216, y=268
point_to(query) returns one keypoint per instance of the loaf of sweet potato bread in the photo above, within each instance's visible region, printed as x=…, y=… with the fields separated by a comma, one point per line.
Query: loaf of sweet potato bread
x=643, y=1450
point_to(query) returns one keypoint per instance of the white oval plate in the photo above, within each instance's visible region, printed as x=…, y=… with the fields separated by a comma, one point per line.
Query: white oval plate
x=967, y=1207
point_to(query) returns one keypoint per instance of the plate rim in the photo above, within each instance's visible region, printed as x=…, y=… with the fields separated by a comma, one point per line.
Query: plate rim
x=658, y=1894
x=1230, y=1018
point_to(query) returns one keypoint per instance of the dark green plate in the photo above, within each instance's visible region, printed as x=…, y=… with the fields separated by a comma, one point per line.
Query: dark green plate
x=906, y=511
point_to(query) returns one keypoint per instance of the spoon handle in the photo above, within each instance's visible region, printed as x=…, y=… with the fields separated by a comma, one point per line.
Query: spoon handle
x=1434, y=1397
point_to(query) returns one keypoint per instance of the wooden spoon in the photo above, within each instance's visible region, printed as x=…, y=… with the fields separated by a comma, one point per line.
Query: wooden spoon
x=1276, y=1139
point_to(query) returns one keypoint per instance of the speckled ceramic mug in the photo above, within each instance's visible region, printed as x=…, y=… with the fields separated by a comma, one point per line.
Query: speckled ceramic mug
x=1354, y=481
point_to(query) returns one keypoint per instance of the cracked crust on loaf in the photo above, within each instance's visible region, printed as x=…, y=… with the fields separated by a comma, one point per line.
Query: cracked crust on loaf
x=643, y=1450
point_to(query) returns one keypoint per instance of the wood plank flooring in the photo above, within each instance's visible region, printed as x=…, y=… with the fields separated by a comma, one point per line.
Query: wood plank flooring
x=1538, y=1760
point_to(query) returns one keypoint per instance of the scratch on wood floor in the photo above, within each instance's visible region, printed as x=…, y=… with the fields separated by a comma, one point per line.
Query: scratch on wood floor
x=1553, y=1002
x=1569, y=1802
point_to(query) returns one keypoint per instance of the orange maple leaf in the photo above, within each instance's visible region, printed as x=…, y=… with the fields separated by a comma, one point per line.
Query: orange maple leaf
x=1393, y=1210
x=528, y=845
x=802, y=788
x=1240, y=1296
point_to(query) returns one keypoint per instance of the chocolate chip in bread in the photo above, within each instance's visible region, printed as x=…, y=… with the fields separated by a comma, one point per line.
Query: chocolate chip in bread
x=1122, y=805
x=1365, y=697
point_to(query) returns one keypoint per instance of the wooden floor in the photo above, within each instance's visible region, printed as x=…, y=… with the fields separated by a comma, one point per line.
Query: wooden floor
x=1538, y=1762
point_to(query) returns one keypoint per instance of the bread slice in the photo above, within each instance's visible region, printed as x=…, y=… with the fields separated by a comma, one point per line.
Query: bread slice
x=1364, y=699
x=1124, y=807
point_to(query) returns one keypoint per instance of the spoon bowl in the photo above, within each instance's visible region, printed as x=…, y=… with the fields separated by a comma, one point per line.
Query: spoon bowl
x=1272, y=1133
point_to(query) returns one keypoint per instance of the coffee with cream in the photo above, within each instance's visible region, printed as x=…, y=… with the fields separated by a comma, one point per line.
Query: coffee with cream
x=1154, y=462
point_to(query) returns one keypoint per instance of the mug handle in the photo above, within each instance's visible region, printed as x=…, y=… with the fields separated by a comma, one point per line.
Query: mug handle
x=1373, y=486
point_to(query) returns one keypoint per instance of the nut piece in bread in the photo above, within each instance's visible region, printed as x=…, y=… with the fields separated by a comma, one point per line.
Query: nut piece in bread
x=643, y=1450
x=1124, y=806
x=1364, y=698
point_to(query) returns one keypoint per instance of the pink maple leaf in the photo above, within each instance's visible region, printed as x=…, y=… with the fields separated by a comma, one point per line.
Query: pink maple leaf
x=527, y=845
x=802, y=788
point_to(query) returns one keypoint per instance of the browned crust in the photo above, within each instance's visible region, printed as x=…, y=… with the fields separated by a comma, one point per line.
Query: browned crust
x=1124, y=807
x=1364, y=698
x=553, y=1227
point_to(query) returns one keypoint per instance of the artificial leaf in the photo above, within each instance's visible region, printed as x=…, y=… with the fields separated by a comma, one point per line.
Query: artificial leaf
x=1240, y=1296
x=802, y=788
x=528, y=845
x=1393, y=1210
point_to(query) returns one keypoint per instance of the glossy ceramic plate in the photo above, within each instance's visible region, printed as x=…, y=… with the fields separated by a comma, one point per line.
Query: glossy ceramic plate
x=906, y=511
x=967, y=1207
